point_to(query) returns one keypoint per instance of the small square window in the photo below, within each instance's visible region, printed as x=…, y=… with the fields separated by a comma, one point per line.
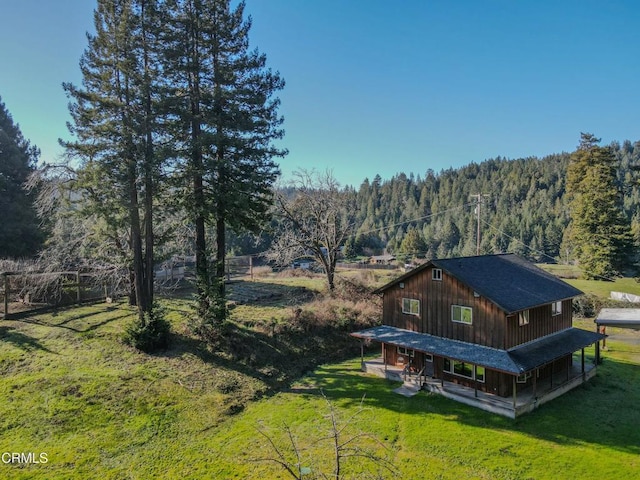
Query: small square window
x=436, y=274
x=410, y=306
x=523, y=318
x=462, y=314
x=556, y=308
x=523, y=378
x=428, y=357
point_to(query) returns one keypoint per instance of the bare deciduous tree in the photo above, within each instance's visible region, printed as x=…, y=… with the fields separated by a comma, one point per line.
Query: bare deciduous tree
x=316, y=217
x=344, y=441
x=79, y=239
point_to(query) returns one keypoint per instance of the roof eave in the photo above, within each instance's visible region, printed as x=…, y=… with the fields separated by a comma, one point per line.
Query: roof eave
x=403, y=277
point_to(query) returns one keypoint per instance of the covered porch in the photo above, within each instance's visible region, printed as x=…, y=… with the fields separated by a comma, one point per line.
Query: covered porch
x=550, y=364
x=525, y=400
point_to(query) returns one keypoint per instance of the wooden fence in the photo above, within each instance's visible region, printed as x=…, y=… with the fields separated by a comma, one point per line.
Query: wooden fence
x=237, y=267
x=367, y=266
x=172, y=272
x=24, y=293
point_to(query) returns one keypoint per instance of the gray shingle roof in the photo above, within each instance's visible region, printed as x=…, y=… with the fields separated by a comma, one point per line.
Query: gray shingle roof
x=516, y=361
x=507, y=280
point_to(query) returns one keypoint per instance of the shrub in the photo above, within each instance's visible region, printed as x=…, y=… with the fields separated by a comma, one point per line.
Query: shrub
x=151, y=333
x=295, y=273
x=589, y=305
x=263, y=271
x=211, y=316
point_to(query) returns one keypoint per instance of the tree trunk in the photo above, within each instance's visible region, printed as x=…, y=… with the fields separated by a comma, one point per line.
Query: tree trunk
x=149, y=183
x=132, y=288
x=221, y=245
x=199, y=206
x=199, y=202
x=136, y=247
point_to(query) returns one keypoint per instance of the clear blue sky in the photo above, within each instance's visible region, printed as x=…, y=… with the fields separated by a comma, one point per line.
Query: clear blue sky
x=380, y=87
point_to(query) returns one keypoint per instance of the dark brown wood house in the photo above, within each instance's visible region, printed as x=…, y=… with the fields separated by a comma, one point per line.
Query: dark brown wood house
x=496, y=324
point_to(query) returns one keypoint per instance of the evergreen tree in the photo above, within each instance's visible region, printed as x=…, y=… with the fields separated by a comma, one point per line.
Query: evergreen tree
x=413, y=243
x=599, y=229
x=20, y=234
x=225, y=119
x=113, y=122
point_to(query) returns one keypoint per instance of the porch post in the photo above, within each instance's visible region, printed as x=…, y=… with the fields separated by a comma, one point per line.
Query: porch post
x=582, y=364
x=384, y=358
x=514, y=393
x=597, y=360
x=475, y=387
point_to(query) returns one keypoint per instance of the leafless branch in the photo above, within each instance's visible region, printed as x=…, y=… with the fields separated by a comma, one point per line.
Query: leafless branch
x=316, y=217
x=345, y=444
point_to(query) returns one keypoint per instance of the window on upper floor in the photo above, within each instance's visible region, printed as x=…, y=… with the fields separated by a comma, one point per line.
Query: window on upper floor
x=556, y=308
x=523, y=318
x=410, y=306
x=462, y=314
x=436, y=274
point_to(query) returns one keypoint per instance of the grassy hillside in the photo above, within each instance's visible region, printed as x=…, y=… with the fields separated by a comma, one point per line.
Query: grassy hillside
x=599, y=288
x=72, y=390
x=97, y=408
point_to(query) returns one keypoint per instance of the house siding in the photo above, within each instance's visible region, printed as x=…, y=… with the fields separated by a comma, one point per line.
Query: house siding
x=541, y=323
x=496, y=382
x=490, y=327
x=436, y=299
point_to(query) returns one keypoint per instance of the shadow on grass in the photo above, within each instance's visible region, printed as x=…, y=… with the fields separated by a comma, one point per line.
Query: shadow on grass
x=94, y=319
x=22, y=341
x=275, y=360
x=256, y=293
x=603, y=411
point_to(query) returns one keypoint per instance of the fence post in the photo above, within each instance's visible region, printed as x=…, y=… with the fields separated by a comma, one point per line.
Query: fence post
x=6, y=296
x=79, y=291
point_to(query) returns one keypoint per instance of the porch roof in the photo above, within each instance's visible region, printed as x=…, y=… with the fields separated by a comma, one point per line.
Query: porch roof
x=619, y=317
x=516, y=361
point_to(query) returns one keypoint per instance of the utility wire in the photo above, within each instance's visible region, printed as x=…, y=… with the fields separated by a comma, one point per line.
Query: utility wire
x=531, y=249
x=417, y=219
x=539, y=252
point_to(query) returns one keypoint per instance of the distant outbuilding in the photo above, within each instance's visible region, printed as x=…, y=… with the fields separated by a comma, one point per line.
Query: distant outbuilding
x=619, y=317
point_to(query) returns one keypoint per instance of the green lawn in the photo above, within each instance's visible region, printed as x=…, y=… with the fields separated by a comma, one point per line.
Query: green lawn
x=589, y=433
x=571, y=274
x=99, y=409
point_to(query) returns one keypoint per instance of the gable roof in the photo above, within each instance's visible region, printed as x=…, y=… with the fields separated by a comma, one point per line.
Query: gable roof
x=510, y=282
